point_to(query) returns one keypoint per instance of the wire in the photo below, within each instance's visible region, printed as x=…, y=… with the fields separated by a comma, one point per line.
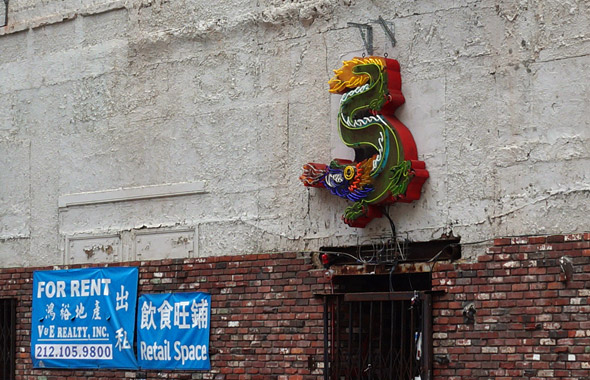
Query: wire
x=361, y=261
x=391, y=275
x=410, y=283
x=332, y=253
x=385, y=212
x=435, y=257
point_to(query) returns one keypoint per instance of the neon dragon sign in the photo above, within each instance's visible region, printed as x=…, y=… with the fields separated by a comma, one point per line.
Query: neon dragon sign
x=386, y=168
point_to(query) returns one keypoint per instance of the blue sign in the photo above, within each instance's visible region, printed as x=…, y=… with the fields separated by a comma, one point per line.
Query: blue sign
x=173, y=331
x=84, y=318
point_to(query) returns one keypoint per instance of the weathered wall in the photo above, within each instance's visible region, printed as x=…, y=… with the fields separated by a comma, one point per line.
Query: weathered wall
x=266, y=322
x=115, y=95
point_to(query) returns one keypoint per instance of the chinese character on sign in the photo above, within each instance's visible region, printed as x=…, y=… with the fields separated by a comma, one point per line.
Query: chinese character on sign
x=147, y=315
x=181, y=315
x=122, y=299
x=199, y=314
x=80, y=313
x=122, y=342
x=65, y=312
x=165, y=310
x=96, y=312
x=49, y=312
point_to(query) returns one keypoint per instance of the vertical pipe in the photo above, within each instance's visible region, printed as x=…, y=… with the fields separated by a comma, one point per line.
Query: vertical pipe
x=337, y=349
x=9, y=328
x=370, y=356
x=13, y=338
x=381, y=361
x=7, y=334
x=360, y=343
x=350, y=356
x=403, y=336
x=3, y=341
x=326, y=362
x=412, y=351
x=5, y=330
x=391, y=349
x=427, y=337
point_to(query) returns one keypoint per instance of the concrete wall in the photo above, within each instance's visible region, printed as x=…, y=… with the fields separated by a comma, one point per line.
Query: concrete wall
x=229, y=99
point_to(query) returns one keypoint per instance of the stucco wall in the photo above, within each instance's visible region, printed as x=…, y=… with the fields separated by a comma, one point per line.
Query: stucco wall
x=232, y=97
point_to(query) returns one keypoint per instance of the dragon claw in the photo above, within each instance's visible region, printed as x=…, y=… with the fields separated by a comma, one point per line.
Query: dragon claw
x=360, y=214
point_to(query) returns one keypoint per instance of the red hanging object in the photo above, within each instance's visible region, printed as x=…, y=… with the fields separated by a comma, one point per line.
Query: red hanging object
x=386, y=168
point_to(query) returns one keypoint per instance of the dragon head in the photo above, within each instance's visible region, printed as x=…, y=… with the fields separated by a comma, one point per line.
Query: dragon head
x=313, y=174
x=352, y=75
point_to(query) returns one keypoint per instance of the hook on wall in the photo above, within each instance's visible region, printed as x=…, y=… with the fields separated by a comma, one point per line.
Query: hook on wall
x=388, y=32
x=367, y=38
x=367, y=32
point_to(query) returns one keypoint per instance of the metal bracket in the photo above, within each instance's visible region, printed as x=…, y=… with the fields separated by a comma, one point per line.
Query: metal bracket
x=388, y=32
x=367, y=32
x=368, y=38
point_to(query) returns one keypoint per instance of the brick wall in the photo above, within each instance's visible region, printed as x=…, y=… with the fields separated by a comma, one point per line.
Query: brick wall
x=530, y=322
x=265, y=321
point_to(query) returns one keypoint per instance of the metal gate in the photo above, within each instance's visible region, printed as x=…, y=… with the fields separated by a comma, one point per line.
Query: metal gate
x=378, y=336
x=7, y=338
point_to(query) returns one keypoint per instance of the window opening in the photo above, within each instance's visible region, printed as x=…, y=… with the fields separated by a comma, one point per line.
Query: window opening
x=7, y=338
x=372, y=333
x=378, y=318
x=378, y=336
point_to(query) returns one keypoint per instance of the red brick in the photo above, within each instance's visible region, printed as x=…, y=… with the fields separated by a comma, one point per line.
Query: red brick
x=510, y=249
x=519, y=240
x=504, y=241
x=520, y=287
x=555, y=239
x=537, y=240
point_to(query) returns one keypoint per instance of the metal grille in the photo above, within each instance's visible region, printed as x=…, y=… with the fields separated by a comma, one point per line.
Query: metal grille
x=378, y=336
x=7, y=338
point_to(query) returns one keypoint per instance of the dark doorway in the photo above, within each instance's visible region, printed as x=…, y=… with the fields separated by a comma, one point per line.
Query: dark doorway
x=7, y=338
x=378, y=335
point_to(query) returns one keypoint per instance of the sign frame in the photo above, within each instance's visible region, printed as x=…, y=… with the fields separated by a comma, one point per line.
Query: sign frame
x=84, y=318
x=173, y=331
